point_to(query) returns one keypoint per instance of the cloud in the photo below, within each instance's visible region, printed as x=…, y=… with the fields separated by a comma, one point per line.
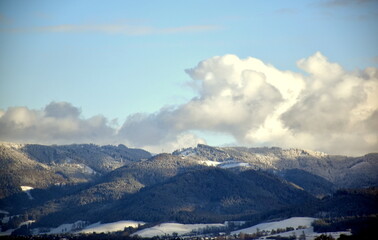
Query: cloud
x=338, y=109
x=327, y=109
x=125, y=29
x=323, y=108
x=59, y=122
x=61, y=110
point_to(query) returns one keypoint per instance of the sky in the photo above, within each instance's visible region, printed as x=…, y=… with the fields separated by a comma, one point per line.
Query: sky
x=163, y=75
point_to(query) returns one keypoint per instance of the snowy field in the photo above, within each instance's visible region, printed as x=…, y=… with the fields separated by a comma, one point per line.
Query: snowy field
x=67, y=228
x=226, y=164
x=4, y=212
x=294, y=222
x=290, y=222
x=165, y=229
x=111, y=227
x=170, y=228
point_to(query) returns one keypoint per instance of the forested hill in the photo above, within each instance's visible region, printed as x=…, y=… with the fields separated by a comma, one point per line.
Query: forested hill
x=40, y=166
x=52, y=185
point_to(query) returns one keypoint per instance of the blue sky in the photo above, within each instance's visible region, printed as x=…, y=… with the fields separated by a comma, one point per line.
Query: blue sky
x=120, y=58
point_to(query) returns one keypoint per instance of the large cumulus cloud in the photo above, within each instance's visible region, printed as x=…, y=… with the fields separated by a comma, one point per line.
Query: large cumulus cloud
x=324, y=107
x=338, y=110
x=327, y=108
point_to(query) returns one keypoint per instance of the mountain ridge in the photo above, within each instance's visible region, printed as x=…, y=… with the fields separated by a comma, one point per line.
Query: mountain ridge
x=341, y=170
x=201, y=184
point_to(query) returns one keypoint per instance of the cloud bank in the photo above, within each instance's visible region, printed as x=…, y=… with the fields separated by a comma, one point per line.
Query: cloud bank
x=58, y=122
x=324, y=108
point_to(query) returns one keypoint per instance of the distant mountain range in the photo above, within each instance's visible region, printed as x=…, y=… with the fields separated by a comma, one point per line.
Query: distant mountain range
x=41, y=166
x=54, y=184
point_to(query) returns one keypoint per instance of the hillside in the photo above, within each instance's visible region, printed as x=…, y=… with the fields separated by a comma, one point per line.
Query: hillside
x=210, y=195
x=314, y=184
x=207, y=195
x=40, y=166
x=17, y=170
x=343, y=171
x=66, y=184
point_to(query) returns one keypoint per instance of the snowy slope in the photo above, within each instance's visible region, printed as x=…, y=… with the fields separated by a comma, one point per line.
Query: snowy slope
x=209, y=163
x=170, y=228
x=234, y=164
x=294, y=222
x=66, y=228
x=7, y=232
x=4, y=212
x=225, y=164
x=110, y=227
x=310, y=234
x=290, y=222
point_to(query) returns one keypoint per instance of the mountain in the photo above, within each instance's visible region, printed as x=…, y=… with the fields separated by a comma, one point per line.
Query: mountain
x=17, y=169
x=194, y=185
x=209, y=195
x=205, y=195
x=313, y=184
x=343, y=171
x=351, y=202
x=40, y=166
x=108, y=188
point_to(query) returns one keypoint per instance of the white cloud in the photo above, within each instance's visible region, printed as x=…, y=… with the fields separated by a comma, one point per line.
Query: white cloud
x=327, y=108
x=337, y=109
x=59, y=122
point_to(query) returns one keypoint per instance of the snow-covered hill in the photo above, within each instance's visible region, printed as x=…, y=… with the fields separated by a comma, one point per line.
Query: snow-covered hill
x=343, y=171
x=170, y=229
x=301, y=225
x=111, y=227
x=41, y=166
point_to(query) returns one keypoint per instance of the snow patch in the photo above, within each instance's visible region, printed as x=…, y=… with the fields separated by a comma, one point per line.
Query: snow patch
x=290, y=222
x=170, y=228
x=26, y=223
x=234, y=165
x=209, y=163
x=7, y=232
x=4, y=212
x=226, y=164
x=12, y=145
x=293, y=222
x=111, y=227
x=68, y=227
x=27, y=190
x=310, y=234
